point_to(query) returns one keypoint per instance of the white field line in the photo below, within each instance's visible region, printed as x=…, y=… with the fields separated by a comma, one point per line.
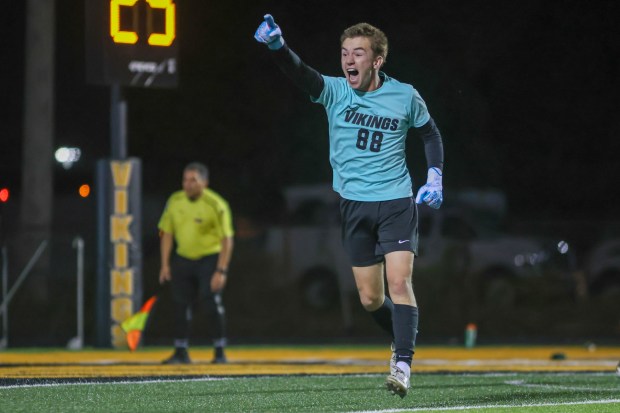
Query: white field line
x=522, y=383
x=99, y=383
x=198, y=379
x=494, y=406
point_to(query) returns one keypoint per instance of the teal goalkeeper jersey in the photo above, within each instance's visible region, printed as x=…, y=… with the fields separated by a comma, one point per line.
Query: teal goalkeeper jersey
x=367, y=134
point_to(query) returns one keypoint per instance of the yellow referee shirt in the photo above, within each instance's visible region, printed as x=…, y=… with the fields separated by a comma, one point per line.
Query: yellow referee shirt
x=197, y=226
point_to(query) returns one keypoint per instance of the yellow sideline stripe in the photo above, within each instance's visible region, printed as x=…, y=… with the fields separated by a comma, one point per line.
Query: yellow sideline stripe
x=299, y=360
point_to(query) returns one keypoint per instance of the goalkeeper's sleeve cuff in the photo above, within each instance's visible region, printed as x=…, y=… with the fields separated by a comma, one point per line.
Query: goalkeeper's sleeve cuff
x=276, y=44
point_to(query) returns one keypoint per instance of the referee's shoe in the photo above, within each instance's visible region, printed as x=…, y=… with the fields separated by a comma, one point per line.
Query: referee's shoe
x=180, y=356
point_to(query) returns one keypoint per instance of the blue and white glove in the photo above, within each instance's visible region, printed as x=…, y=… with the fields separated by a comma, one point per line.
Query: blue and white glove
x=431, y=193
x=269, y=33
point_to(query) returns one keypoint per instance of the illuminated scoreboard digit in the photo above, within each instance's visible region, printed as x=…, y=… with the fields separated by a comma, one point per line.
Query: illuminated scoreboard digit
x=131, y=42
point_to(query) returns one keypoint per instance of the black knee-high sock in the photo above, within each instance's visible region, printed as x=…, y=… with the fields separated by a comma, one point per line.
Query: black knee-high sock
x=217, y=317
x=383, y=316
x=182, y=317
x=405, y=320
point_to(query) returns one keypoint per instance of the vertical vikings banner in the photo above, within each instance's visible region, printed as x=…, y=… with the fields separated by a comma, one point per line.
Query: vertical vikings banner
x=119, y=251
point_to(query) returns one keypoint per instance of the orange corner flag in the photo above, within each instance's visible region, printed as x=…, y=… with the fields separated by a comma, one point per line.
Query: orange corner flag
x=134, y=325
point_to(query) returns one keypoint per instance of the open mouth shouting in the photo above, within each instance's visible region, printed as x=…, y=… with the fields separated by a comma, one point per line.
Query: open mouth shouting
x=353, y=75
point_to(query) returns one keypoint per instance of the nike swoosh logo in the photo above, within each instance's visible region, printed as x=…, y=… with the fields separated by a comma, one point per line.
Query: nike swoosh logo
x=402, y=241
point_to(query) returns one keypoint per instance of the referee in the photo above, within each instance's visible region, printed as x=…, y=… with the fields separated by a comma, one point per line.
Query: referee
x=199, y=222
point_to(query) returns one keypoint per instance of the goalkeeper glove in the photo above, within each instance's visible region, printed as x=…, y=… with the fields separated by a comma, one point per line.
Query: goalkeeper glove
x=269, y=33
x=431, y=192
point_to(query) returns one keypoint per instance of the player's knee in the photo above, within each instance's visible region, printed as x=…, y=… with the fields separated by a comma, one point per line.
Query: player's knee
x=371, y=301
x=400, y=286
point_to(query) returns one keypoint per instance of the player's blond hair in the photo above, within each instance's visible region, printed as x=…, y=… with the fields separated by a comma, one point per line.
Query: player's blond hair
x=378, y=39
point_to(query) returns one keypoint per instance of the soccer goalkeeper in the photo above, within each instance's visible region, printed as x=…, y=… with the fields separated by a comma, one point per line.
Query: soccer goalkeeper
x=369, y=115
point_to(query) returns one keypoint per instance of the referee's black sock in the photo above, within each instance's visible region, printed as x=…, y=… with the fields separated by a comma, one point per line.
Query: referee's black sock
x=383, y=316
x=405, y=330
x=181, y=344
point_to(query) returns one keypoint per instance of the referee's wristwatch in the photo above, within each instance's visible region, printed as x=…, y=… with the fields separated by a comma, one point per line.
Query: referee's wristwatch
x=222, y=271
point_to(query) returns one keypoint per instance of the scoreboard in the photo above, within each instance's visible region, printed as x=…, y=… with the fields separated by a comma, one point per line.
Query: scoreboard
x=131, y=43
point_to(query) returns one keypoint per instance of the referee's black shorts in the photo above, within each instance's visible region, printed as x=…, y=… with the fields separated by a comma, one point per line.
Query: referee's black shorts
x=191, y=279
x=372, y=229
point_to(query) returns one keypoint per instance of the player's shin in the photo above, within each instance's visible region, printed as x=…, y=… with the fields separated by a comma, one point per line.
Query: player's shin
x=383, y=316
x=405, y=326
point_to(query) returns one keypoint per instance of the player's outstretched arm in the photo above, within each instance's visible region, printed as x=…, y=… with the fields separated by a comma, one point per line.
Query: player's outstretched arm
x=302, y=75
x=269, y=33
x=431, y=193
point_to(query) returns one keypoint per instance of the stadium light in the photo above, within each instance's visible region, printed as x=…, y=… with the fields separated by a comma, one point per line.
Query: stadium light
x=67, y=156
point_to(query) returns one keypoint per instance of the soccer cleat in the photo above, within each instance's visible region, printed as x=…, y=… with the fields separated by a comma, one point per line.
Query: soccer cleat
x=398, y=382
x=393, y=360
x=180, y=356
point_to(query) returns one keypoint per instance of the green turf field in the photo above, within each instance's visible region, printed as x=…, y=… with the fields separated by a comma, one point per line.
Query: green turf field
x=310, y=379
x=541, y=392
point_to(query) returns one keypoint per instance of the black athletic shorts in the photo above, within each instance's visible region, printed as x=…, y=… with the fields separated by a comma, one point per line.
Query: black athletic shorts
x=191, y=279
x=372, y=229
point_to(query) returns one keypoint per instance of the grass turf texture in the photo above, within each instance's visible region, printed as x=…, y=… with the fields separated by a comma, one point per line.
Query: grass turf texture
x=535, y=392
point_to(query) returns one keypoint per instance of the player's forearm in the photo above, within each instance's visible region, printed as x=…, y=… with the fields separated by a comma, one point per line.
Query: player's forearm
x=303, y=76
x=225, y=255
x=165, y=247
x=433, y=145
